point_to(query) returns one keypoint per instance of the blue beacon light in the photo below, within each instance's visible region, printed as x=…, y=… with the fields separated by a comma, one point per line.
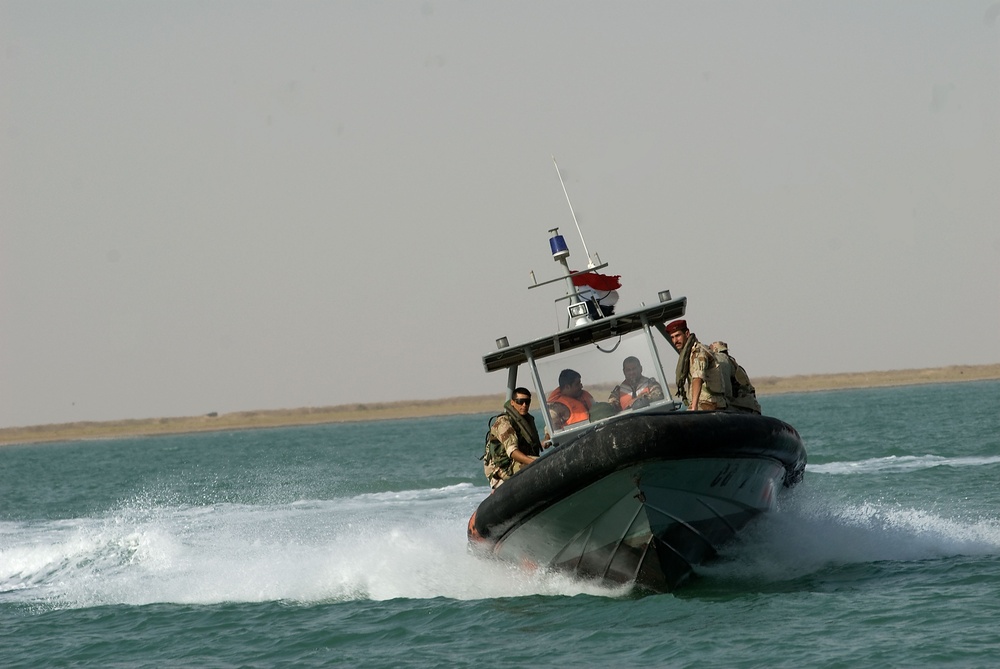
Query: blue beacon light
x=558, y=245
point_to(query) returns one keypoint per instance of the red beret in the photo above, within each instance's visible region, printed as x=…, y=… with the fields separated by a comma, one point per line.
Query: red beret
x=676, y=326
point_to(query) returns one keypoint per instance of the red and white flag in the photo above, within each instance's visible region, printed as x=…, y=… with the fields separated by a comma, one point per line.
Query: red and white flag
x=602, y=282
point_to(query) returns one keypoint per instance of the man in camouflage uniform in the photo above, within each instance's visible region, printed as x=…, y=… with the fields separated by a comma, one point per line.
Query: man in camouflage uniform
x=744, y=395
x=699, y=382
x=512, y=442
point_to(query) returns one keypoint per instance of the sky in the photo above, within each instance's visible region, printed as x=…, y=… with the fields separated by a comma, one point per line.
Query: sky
x=228, y=206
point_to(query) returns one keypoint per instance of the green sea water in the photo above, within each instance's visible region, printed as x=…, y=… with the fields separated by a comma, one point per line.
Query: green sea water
x=344, y=545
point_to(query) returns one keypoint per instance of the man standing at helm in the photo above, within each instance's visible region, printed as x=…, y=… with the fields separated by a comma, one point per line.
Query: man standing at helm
x=699, y=383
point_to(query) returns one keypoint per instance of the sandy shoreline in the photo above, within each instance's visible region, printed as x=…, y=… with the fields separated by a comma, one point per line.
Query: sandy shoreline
x=448, y=406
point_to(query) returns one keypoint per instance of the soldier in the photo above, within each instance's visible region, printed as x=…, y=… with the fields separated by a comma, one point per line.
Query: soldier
x=512, y=442
x=699, y=382
x=744, y=395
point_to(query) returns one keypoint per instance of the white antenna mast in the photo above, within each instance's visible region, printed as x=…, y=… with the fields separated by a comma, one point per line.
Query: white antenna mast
x=590, y=261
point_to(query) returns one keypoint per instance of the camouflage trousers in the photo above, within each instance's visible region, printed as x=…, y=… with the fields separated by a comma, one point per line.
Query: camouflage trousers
x=496, y=476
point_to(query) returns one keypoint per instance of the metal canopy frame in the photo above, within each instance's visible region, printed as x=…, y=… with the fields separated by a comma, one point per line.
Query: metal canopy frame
x=608, y=327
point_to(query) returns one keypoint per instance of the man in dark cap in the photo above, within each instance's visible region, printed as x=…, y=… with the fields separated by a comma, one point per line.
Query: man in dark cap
x=699, y=382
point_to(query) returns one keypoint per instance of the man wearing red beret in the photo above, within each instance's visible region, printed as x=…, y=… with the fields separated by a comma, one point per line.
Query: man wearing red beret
x=699, y=382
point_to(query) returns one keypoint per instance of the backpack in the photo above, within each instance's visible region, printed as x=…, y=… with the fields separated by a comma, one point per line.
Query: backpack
x=494, y=452
x=740, y=392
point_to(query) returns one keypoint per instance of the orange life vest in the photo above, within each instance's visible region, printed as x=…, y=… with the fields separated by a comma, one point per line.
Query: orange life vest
x=626, y=395
x=579, y=409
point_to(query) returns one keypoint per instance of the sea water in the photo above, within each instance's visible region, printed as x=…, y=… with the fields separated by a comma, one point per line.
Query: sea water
x=345, y=545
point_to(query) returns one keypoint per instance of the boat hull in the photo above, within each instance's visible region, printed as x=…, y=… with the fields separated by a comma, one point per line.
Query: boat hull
x=641, y=499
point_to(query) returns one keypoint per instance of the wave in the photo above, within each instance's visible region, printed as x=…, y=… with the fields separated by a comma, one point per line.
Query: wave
x=375, y=546
x=811, y=534
x=411, y=544
x=902, y=463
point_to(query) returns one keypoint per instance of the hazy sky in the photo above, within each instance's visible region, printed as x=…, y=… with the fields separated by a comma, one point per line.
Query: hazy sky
x=223, y=206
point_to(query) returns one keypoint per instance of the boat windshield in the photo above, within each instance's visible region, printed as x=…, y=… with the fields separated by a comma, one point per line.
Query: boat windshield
x=602, y=373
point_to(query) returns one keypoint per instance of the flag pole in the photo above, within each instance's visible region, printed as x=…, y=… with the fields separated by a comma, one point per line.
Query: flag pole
x=590, y=262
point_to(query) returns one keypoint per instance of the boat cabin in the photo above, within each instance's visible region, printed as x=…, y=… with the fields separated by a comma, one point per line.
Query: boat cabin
x=595, y=346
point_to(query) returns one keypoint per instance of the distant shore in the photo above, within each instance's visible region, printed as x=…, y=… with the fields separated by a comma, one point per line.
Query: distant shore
x=241, y=420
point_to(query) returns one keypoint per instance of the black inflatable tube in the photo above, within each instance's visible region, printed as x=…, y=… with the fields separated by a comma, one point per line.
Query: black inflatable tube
x=633, y=439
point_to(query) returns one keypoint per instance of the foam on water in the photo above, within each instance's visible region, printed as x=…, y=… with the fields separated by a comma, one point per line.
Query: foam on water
x=408, y=544
x=811, y=532
x=904, y=463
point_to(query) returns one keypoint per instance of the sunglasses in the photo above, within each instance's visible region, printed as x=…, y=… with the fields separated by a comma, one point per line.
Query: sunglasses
x=523, y=401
